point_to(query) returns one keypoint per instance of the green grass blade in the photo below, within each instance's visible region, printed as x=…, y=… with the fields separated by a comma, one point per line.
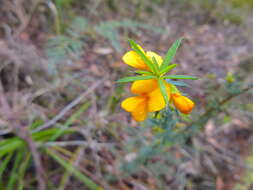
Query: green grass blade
x=72, y=118
x=171, y=53
x=36, y=124
x=7, y=141
x=4, y=164
x=22, y=170
x=87, y=181
x=47, y=134
x=136, y=48
x=13, y=144
x=134, y=78
x=14, y=174
x=180, y=77
x=163, y=90
x=66, y=175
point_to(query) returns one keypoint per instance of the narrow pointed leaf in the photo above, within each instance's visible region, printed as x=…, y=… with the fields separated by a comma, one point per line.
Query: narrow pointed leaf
x=180, y=77
x=168, y=68
x=144, y=72
x=163, y=90
x=177, y=83
x=156, y=66
x=171, y=53
x=134, y=78
x=136, y=48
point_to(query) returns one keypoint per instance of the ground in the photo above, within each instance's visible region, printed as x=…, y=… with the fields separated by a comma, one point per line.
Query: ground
x=80, y=92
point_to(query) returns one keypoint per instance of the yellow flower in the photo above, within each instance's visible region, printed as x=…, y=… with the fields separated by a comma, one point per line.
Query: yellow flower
x=182, y=103
x=134, y=60
x=149, y=99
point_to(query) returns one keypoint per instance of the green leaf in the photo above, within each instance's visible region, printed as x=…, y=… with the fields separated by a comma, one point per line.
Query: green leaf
x=177, y=83
x=136, y=48
x=167, y=69
x=87, y=181
x=144, y=72
x=180, y=77
x=163, y=90
x=131, y=79
x=171, y=53
x=156, y=65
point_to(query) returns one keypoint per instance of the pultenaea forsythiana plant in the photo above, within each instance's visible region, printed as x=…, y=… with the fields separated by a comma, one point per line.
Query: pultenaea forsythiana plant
x=153, y=89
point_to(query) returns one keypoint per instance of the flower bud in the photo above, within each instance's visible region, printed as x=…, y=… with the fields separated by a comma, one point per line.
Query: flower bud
x=182, y=103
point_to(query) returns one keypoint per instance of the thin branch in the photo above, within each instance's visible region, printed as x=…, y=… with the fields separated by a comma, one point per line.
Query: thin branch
x=208, y=112
x=69, y=106
x=73, y=143
x=225, y=100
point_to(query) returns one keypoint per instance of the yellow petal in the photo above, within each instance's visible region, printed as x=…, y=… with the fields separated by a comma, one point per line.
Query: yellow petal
x=140, y=113
x=158, y=58
x=131, y=103
x=182, y=103
x=134, y=60
x=144, y=86
x=156, y=100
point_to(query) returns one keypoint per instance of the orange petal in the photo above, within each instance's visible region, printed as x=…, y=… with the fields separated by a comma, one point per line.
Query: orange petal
x=182, y=103
x=134, y=60
x=151, y=54
x=156, y=100
x=131, y=103
x=144, y=86
x=140, y=113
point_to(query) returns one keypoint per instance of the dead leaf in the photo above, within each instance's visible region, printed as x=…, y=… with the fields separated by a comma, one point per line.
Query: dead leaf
x=94, y=69
x=103, y=50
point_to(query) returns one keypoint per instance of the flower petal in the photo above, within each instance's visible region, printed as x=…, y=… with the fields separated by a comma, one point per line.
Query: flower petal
x=158, y=58
x=140, y=113
x=131, y=103
x=144, y=86
x=182, y=103
x=156, y=100
x=133, y=59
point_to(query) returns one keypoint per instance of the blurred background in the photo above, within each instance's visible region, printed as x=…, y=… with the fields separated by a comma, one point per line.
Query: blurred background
x=61, y=125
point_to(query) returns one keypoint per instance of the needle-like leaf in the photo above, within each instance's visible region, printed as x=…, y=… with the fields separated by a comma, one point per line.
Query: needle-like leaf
x=134, y=78
x=171, y=53
x=137, y=49
x=163, y=90
x=180, y=77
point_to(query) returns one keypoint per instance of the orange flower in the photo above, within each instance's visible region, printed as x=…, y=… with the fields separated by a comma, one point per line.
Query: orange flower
x=182, y=103
x=134, y=60
x=149, y=99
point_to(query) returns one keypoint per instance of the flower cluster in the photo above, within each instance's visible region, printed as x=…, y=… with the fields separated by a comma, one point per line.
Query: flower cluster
x=152, y=91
